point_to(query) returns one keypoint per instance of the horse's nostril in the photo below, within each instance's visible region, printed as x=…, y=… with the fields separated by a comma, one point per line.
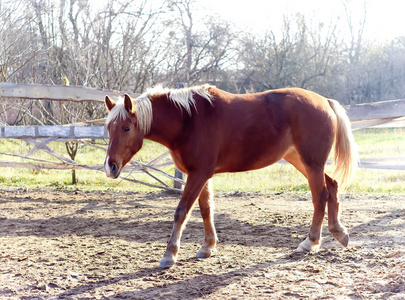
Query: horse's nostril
x=113, y=167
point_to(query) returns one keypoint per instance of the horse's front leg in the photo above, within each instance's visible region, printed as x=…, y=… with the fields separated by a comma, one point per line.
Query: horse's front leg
x=193, y=187
x=207, y=212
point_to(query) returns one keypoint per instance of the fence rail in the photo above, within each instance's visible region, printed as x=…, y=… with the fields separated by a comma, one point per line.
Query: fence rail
x=56, y=92
x=377, y=114
x=62, y=133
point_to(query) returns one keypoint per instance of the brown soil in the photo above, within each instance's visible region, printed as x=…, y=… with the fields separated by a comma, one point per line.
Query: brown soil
x=93, y=245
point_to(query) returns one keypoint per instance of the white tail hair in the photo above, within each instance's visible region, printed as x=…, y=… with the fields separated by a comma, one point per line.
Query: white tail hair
x=346, y=157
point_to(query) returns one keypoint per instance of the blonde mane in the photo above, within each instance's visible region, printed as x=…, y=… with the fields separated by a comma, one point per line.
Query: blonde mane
x=181, y=98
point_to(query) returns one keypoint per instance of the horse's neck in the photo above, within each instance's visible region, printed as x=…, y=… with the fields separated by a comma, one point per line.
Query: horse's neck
x=167, y=123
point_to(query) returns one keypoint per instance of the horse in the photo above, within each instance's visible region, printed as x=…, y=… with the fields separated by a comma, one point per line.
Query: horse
x=210, y=131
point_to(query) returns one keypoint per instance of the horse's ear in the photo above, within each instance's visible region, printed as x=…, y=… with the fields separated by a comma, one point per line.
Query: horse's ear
x=128, y=104
x=109, y=103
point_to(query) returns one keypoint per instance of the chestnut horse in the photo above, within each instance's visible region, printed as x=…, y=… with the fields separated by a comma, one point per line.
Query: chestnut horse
x=210, y=131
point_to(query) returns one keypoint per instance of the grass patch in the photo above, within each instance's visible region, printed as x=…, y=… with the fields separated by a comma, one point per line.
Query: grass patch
x=384, y=142
x=278, y=177
x=282, y=177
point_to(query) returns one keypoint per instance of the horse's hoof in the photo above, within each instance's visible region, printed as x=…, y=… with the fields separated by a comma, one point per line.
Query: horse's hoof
x=205, y=252
x=308, y=246
x=301, y=249
x=345, y=240
x=165, y=264
x=341, y=235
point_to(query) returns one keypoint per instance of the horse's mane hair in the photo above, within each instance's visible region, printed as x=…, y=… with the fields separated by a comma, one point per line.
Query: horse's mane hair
x=181, y=98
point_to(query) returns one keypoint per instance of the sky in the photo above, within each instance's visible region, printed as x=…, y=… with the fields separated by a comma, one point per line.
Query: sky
x=384, y=18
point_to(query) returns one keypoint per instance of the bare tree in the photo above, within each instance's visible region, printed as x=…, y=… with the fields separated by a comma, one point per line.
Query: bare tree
x=68, y=41
x=199, y=46
x=300, y=56
x=130, y=45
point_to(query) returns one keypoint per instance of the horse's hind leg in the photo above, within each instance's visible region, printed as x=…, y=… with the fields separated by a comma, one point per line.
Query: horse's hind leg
x=316, y=180
x=320, y=195
x=334, y=224
x=207, y=212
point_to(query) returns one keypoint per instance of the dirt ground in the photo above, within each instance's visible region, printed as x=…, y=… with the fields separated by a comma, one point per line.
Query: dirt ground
x=96, y=245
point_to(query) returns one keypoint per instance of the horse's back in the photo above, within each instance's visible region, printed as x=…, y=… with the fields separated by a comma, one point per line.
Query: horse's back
x=273, y=111
x=259, y=129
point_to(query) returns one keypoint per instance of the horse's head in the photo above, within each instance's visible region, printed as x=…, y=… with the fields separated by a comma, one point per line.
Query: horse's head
x=125, y=137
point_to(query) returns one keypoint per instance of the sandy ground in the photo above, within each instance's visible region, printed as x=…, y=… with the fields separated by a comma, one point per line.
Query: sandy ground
x=95, y=245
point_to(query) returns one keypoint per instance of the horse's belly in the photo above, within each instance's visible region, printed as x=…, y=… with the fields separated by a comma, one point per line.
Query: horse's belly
x=252, y=158
x=243, y=167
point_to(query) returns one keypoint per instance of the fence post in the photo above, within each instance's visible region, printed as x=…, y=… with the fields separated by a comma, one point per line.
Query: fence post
x=177, y=173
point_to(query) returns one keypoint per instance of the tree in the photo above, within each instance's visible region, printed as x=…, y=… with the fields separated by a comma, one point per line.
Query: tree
x=131, y=45
x=300, y=57
x=199, y=46
x=111, y=48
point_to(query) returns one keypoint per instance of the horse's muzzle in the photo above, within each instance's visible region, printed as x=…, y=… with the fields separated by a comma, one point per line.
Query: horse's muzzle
x=112, y=171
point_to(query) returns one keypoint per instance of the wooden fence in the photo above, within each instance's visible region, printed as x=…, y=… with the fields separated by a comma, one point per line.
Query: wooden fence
x=40, y=137
x=379, y=114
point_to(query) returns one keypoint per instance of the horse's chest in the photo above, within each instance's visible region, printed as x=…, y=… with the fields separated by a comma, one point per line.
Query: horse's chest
x=178, y=162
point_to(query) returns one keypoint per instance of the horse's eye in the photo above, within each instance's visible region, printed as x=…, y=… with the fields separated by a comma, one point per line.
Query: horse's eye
x=126, y=129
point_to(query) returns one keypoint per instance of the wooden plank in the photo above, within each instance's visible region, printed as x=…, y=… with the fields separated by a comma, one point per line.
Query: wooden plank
x=156, y=169
x=57, y=92
x=384, y=163
x=379, y=123
x=50, y=151
x=367, y=163
x=19, y=132
x=90, y=132
x=371, y=123
x=152, y=185
x=47, y=165
x=376, y=110
x=54, y=131
x=396, y=123
x=62, y=166
x=63, y=133
x=40, y=145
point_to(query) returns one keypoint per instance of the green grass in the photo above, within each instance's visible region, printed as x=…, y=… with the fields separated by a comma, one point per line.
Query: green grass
x=381, y=142
x=278, y=177
x=374, y=143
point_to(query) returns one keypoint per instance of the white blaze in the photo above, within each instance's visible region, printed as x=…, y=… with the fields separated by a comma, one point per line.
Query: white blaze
x=107, y=167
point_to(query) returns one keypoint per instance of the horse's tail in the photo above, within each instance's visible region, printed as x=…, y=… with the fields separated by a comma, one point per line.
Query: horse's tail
x=346, y=157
